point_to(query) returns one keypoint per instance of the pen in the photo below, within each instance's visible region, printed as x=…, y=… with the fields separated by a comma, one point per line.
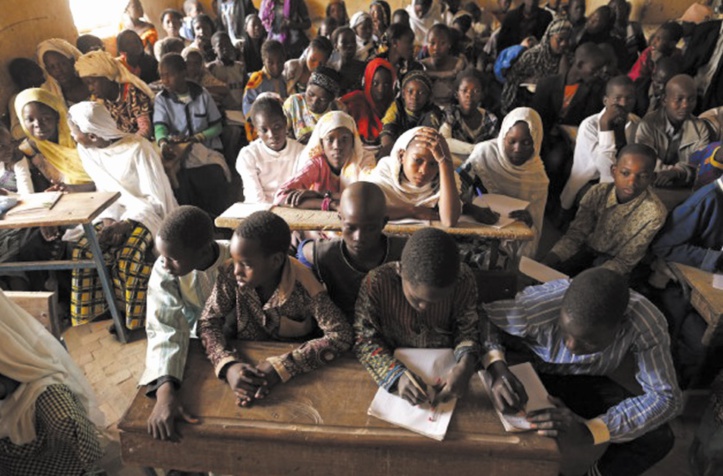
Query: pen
x=55, y=201
x=411, y=378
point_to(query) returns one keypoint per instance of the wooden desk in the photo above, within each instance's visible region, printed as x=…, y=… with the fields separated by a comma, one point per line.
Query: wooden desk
x=318, y=424
x=72, y=209
x=706, y=299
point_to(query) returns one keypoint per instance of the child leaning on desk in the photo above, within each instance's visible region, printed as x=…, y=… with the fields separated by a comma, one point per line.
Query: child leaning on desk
x=426, y=300
x=274, y=297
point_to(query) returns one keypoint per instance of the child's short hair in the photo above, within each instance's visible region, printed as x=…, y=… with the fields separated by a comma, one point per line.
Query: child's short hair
x=272, y=47
x=85, y=43
x=269, y=229
x=639, y=149
x=471, y=74
x=220, y=34
x=622, y=80
x=440, y=28
x=20, y=68
x=431, y=257
x=204, y=18
x=340, y=31
x=397, y=31
x=174, y=61
x=267, y=105
x=123, y=36
x=172, y=12
x=323, y=45
x=400, y=12
x=417, y=75
x=673, y=29
x=187, y=226
x=597, y=296
x=170, y=45
x=473, y=9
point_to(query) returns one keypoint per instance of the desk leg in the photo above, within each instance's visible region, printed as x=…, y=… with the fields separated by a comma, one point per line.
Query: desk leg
x=105, y=281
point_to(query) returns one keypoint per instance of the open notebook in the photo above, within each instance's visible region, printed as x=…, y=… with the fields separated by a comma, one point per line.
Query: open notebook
x=536, y=393
x=429, y=365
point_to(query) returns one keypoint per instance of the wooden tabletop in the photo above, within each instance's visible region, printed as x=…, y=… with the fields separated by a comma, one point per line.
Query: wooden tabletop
x=318, y=424
x=71, y=209
x=317, y=220
x=706, y=299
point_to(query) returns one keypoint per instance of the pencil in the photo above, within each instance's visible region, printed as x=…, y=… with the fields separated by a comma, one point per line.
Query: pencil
x=411, y=378
x=55, y=201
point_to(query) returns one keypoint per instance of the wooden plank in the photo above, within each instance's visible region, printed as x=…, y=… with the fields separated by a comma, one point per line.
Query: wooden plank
x=706, y=299
x=71, y=209
x=319, y=417
x=42, y=305
x=317, y=220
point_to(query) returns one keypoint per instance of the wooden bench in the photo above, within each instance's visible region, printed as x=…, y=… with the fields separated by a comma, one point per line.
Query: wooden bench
x=42, y=305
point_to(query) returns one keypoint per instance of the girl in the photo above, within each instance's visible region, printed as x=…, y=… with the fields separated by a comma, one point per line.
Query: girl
x=465, y=122
x=441, y=66
x=298, y=71
x=418, y=178
x=333, y=159
x=336, y=9
x=134, y=19
x=511, y=165
x=381, y=15
x=412, y=108
x=254, y=37
x=117, y=162
x=423, y=14
x=545, y=59
x=361, y=23
x=203, y=28
x=369, y=105
x=304, y=110
x=399, y=45
x=286, y=21
x=344, y=59
x=57, y=59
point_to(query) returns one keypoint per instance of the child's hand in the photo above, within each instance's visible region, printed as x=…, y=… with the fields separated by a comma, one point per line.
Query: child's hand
x=114, y=233
x=455, y=383
x=271, y=376
x=561, y=423
x=408, y=391
x=508, y=394
x=50, y=233
x=168, y=409
x=666, y=178
x=523, y=216
x=482, y=214
x=436, y=144
x=245, y=381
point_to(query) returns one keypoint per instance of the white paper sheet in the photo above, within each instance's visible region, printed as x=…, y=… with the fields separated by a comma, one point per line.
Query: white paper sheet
x=429, y=365
x=539, y=271
x=718, y=281
x=242, y=210
x=536, y=393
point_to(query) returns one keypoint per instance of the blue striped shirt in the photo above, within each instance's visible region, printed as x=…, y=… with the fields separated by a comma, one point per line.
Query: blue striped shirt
x=533, y=315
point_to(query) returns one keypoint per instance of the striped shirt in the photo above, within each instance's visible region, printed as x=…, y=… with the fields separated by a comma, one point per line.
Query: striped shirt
x=533, y=315
x=384, y=320
x=173, y=308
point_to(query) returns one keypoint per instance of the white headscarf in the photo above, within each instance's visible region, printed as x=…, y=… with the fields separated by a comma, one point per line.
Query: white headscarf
x=399, y=191
x=131, y=166
x=30, y=355
x=102, y=64
x=361, y=162
x=527, y=181
x=58, y=46
x=363, y=51
x=421, y=26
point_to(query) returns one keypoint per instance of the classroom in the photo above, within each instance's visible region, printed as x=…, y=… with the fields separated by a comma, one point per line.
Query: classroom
x=395, y=237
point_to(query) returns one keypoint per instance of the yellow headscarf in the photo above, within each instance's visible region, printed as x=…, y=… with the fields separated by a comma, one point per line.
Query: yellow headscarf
x=63, y=155
x=102, y=64
x=59, y=46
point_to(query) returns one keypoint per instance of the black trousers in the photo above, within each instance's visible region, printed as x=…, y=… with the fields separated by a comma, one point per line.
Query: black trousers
x=590, y=396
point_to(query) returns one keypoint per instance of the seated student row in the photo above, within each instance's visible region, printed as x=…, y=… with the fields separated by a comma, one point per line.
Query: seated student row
x=420, y=301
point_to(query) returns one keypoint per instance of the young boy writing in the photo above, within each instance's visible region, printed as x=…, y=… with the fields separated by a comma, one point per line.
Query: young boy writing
x=427, y=300
x=578, y=332
x=342, y=264
x=180, y=284
x=270, y=160
x=274, y=297
x=616, y=221
x=186, y=117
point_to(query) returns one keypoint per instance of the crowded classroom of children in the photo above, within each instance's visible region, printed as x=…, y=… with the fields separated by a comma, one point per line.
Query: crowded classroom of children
x=604, y=118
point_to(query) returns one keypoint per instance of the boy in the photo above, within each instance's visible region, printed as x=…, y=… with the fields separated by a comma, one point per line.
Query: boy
x=662, y=45
x=616, y=221
x=599, y=139
x=674, y=133
x=180, y=284
x=270, y=160
x=135, y=58
x=578, y=332
x=274, y=297
x=269, y=79
x=427, y=300
x=191, y=8
x=565, y=100
x=649, y=91
x=187, y=122
x=342, y=264
x=227, y=69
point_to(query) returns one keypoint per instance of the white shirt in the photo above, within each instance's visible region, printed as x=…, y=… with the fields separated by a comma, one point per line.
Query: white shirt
x=263, y=170
x=594, y=155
